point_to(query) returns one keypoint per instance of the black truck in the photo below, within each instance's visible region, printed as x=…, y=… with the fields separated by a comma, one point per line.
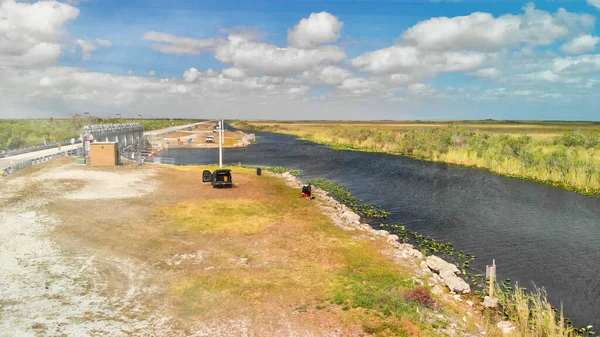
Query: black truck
x=219, y=178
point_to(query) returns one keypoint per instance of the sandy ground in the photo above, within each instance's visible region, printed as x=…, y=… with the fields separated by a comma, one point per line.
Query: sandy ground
x=72, y=264
x=46, y=290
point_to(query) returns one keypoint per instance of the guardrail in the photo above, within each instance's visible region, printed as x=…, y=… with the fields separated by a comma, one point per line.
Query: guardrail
x=35, y=148
x=16, y=167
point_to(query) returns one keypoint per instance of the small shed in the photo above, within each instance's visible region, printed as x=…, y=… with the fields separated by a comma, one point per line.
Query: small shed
x=104, y=153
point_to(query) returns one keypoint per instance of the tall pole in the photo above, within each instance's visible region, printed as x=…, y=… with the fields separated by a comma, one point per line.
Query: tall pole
x=220, y=144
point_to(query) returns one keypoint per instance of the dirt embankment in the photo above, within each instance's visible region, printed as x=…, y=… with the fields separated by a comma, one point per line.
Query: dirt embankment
x=151, y=251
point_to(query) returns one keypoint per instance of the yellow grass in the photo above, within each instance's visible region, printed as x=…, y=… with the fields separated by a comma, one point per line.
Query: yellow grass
x=241, y=216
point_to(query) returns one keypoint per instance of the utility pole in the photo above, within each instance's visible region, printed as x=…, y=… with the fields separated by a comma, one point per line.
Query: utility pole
x=221, y=144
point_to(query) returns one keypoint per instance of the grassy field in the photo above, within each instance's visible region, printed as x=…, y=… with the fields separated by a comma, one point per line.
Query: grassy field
x=562, y=154
x=19, y=133
x=257, y=253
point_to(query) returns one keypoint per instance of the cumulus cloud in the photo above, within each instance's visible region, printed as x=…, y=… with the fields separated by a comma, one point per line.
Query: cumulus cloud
x=88, y=46
x=595, y=3
x=233, y=73
x=266, y=59
x=327, y=75
x=488, y=73
x=171, y=44
x=318, y=28
x=152, y=73
x=409, y=59
x=581, y=44
x=30, y=32
x=583, y=65
x=192, y=74
x=484, y=31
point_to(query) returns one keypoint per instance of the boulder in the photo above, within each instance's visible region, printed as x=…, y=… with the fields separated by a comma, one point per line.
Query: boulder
x=351, y=217
x=406, y=250
x=438, y=265
x=490, y=302
x=454, y=283
x=506, y=327
x=382, y=232
x=365, y=226
x=393, y=238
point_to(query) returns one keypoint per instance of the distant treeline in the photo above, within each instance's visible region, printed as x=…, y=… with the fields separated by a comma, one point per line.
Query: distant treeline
x=19, y=133
x=570, y=160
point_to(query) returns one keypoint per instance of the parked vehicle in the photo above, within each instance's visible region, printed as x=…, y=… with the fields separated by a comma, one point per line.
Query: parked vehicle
x=210, y=139
x=221, y=178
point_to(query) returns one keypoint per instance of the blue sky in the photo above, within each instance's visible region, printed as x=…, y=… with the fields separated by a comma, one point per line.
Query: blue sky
x=284, y=59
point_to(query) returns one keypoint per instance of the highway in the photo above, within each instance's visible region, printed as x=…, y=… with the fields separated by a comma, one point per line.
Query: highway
x=7, y=161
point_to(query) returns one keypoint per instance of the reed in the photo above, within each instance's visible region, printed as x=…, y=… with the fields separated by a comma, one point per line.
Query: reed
x=570, y=160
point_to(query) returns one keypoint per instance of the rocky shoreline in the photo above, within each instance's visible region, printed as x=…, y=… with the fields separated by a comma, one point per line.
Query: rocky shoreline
x=439, y=273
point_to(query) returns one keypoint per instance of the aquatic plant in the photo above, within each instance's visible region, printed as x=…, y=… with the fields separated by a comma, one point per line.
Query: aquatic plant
x=343, y=195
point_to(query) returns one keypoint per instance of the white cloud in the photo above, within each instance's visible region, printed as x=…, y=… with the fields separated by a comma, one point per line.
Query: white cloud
x=581, y=44
x=420, y=90
x=595, y=3
x=266, y=59
x=30, y=32
x=583, y=65
x=192, y=74
x=410, y=60
x=488, y=73
x=88, y=46
x=233, y=73
x=360, y=86
x=483, y=31
x=152, y=73
x=328, y=75
x=318, y=28
x=171, y=44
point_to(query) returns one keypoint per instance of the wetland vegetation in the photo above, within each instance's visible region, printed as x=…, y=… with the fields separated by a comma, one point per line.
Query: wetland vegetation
x=565, y=154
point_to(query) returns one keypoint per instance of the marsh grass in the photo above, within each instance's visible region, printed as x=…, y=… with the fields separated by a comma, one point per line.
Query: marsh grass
x=534, y=316
x=553, y=153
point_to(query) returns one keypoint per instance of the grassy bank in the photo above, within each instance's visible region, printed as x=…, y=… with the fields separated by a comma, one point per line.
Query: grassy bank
x=565, y=155
x=18, y=133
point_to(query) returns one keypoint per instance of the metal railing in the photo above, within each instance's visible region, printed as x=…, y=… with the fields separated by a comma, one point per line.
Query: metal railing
x=35, y=148
x=16, y=167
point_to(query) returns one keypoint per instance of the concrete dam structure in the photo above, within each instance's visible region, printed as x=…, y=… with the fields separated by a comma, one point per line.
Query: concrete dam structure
x=129, y=136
